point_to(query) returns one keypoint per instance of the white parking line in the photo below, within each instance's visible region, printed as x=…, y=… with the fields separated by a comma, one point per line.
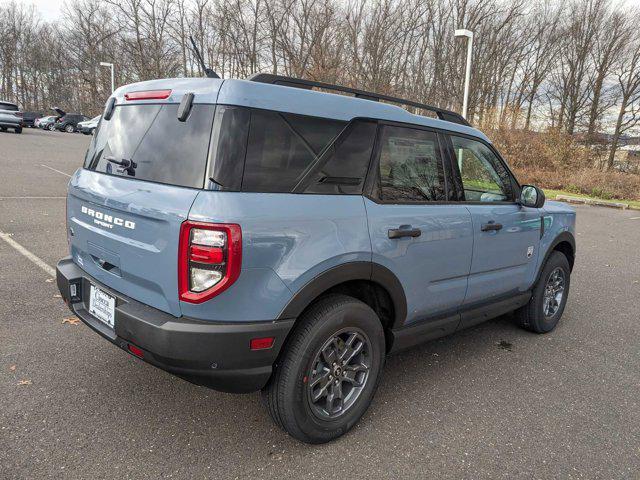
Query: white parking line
x=634, y=218
x=58, y=171
x=26, y=253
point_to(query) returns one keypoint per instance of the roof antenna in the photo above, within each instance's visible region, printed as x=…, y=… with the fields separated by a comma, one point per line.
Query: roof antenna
x=207, y=71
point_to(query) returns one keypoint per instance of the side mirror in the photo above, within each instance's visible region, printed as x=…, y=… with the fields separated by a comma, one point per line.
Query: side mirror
x=531, y=196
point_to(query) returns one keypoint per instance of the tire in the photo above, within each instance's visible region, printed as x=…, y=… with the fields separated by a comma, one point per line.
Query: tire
x=3, y=129
x=539, y=316
x=69, y=128
x=51, y=128
x=288, y=395
x=18, y=129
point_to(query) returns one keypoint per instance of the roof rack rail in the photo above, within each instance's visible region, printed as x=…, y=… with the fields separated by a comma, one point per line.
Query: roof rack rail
x=442, y=114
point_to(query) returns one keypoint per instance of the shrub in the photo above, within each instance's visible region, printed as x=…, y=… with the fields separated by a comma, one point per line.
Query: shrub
x=553, y=159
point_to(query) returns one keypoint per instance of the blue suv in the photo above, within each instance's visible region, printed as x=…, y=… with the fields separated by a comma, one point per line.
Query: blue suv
x=260, y=234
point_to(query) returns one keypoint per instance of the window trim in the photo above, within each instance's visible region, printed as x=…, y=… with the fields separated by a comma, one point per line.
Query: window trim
x=372, y=181
x=515, y=186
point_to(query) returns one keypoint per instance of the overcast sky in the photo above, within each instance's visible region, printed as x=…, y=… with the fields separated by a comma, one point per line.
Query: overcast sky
x=51, y=9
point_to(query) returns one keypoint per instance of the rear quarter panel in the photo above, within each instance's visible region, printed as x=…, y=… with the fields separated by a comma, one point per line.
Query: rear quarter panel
x=287, y=240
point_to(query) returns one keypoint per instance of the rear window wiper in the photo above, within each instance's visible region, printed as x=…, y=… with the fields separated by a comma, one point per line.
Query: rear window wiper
x=126, y=164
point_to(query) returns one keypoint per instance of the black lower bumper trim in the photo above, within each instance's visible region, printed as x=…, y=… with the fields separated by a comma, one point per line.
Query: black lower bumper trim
x=212, y=354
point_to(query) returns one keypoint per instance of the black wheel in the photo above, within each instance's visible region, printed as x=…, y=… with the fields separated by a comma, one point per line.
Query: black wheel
x=542, y=313
x=329, y=372
x=69, y=128
x=18, y=129
x=3, y=129
x=51, y=127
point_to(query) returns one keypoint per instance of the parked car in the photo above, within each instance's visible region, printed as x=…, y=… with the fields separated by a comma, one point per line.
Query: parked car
x=49, y=123
x=69, y=122
x=29, y=118
x=10, y=117
x=87, y=127
x=251, y=235
x=39, y=121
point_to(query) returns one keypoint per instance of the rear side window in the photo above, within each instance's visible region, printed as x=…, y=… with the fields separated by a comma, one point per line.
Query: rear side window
x=8, y=106
x=281, y=147
x=345, y=171
x=410, y=167
x=148, y=142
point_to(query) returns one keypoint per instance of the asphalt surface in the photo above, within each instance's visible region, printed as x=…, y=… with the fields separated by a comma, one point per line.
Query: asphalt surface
x=490, y=402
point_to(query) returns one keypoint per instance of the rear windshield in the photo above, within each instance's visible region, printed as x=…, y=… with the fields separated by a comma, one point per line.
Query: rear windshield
x=148, y=142
x=8, y=106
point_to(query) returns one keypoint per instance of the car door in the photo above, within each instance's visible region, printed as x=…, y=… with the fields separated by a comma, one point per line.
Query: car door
x=424, y=240
x=506, y=234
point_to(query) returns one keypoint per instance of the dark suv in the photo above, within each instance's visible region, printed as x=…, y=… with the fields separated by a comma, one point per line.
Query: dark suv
x=29, y=118
x=250, y=235
x=69, y=122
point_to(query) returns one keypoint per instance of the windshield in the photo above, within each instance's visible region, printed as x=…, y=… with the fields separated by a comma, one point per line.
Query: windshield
x=8, y=106
x=148, y=142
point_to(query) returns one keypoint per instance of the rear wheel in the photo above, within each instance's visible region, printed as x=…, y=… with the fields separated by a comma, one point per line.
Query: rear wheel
x=51, y=127
x=18, y=129
x=549, y=297
x=69, y=128
x=329, y=371
x=3, y=129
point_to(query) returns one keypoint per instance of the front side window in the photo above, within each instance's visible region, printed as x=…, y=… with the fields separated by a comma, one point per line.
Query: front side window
x=484, y=177
x=410, y=167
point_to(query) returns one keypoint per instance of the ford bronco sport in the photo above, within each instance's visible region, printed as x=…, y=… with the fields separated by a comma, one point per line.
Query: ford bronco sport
x=261, y=235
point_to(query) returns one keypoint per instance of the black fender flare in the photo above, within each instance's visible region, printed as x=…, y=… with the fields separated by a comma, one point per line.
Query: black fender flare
x=565, y=236
x=344, y=273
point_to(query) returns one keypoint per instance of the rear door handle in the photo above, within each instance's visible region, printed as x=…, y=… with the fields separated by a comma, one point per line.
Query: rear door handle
x=404, y=231
x=491, y=226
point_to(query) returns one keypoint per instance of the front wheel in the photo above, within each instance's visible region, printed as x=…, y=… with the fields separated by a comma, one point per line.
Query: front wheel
x=329, y=372
x=549, y=297
x=69, y=128
x=51, y=128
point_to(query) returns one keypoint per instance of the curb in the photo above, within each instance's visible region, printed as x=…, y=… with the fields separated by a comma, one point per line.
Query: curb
x=592, y=201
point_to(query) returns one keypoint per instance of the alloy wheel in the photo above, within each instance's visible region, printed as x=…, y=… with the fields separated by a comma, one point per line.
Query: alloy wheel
x=339, y=373
x=553, y=292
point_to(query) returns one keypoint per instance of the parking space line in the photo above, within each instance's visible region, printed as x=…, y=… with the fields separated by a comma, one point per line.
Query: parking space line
x=26, y=253
x=58, y=171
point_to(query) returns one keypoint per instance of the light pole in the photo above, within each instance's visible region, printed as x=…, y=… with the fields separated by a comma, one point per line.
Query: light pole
x=113, y=82
x=467, y=75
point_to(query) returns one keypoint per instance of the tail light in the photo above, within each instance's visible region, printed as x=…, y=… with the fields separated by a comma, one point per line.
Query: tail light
x=209, y=259
x=18, y=114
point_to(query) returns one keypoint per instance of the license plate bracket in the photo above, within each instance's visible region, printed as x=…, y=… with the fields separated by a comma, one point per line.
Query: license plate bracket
x=102, y=306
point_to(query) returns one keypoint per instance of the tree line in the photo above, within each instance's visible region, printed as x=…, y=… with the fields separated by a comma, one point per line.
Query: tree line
x=573, y=65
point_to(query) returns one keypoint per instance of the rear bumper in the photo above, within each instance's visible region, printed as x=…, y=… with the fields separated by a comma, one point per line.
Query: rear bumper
x=215, y=355
x=7, y=124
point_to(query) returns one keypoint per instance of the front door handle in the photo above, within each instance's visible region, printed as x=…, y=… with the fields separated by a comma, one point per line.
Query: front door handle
x=404, y=231
x=491, y=226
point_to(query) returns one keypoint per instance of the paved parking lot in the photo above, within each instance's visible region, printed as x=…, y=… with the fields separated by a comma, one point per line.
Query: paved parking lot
x=490, y=402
